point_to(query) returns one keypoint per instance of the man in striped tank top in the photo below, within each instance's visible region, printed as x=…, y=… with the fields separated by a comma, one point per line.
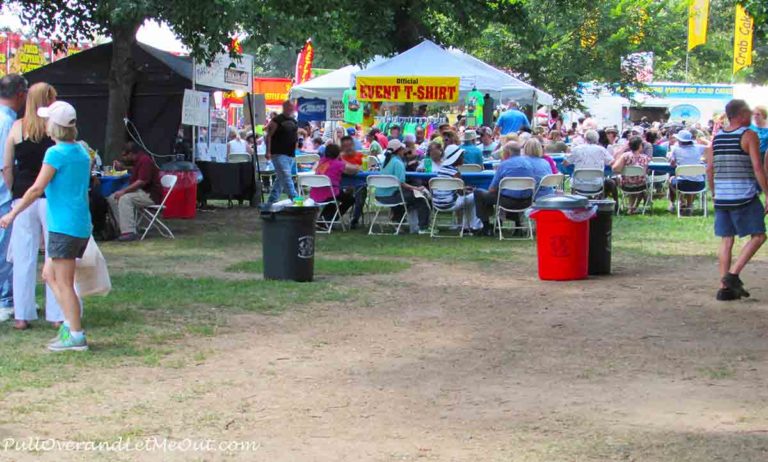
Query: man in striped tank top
x=735, y=172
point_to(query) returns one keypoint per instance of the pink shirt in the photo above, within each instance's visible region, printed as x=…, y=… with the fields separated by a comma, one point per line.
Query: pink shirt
x=333, y=169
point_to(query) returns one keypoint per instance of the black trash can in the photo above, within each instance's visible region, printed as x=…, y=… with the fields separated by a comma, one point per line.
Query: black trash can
x=288, y=243
x=600, y=229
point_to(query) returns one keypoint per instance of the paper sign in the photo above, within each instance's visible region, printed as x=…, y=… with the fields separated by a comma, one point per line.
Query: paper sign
x=408, y=89
x=195, y=108
x=335, y=110
x=226, y=73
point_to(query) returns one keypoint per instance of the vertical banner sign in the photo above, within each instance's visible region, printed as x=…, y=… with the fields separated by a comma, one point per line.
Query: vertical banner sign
x=408, y=89
x=3, y=55
x=698, y=17
x=742, y=40
x=27, y=55
x=304, y=63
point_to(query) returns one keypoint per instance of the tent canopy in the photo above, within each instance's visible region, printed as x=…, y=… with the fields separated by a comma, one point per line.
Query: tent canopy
x=83, y=81
x=331, y=85
x=430, y=60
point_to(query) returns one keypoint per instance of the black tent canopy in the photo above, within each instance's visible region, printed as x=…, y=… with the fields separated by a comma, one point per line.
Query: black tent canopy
x=82, y=80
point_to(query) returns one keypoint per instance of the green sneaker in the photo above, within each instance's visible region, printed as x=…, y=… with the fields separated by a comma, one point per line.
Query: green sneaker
x=69, y=344
x=63, y=333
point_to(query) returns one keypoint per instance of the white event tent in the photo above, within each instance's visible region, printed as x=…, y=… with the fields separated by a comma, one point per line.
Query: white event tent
x=428, y=60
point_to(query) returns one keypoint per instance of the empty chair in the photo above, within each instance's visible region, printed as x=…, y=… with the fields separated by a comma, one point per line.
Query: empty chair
x=588, y=182
x=555, y=180
x=470, y=168
x=151, y=213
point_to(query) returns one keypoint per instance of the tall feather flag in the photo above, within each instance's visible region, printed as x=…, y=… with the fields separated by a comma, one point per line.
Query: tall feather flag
x=742, y=39
x=304, y=63
x=698, y=17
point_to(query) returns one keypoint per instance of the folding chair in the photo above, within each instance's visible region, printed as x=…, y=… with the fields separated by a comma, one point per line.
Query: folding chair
x=446, y=185
x=659, y=160
x=634, y=171
x=307, y=162
x=691, y=170
x=385, y=181
x=239, y=158
x=311, y=181
x=555, y=180
x=152, y=212
x=267, y=173
x=470, y=168
x=591, y=183
x=373, y=163
x=518, y=185
x=658, y=185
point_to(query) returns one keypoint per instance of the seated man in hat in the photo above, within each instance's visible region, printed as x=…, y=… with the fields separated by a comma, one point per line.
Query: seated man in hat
x=143, y=190
x=449, y=201
x=472, y=153
x=686, y=152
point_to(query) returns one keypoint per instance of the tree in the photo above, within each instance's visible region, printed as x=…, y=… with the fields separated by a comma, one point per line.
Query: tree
x=759, y=10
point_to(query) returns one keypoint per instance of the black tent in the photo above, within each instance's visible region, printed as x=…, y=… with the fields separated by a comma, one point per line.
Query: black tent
x=82, y=80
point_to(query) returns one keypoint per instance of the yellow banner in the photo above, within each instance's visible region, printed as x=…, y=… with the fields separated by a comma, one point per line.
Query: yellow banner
x=408, y=89
x=698, y=17
x=742, y=42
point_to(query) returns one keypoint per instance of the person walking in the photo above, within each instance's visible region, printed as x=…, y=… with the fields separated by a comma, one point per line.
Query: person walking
x=64, y=178
x=13, y=94
x=734, y=172
x=282, y=138
x=23, y=160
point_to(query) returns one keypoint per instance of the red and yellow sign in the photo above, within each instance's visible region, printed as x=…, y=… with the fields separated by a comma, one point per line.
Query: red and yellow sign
x=275, y=90
x=304, y=63
x=408, y=89
x=28, y=55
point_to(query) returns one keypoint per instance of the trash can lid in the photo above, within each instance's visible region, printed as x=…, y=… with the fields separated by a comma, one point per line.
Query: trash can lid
x=288, y=210
x=605, y=205
x=566, y=202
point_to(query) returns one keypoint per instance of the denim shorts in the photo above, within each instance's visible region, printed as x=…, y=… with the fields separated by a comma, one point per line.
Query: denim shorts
x=742, y=221
x=687, y=185
x=65, y=247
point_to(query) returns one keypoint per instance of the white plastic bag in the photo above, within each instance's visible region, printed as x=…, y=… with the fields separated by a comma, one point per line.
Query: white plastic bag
x=90, y=255
x=93, y=279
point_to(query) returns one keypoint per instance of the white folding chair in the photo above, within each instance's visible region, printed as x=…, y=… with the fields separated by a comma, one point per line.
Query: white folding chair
x=444, y=185
x=658, y=185
x=634, y=171
x=373, y=163
x=310, y=181
x=307, y=161
x=520, y=184
x=385, y=181
x=239, y=158
x=151, y=213
x=691, y=170
x=555, y=180
x=470, y=168
x=590, y=181
x=266, y=172
x=660, y=160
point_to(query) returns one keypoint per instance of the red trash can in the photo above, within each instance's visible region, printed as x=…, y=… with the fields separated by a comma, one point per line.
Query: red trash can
x=182, y=203
x=562, y=237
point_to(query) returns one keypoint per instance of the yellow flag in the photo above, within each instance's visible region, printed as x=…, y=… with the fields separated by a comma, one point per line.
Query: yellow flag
x=698, y=16
x=742, y=41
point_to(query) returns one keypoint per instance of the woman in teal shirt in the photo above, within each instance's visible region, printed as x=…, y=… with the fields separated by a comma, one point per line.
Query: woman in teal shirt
x=64, y=179
x=394, y=165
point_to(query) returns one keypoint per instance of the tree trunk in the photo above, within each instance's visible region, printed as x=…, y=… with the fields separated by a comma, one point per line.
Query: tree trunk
x=122, y=78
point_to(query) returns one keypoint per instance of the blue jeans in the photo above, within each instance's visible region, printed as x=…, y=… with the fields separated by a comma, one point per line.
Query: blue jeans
x=283, y=178
x=6, y=268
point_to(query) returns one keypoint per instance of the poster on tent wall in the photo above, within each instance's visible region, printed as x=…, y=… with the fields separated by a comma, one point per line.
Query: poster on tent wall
x=335, y=109
x=408, y=89
x=3, y=55
x=311, y=109
x=226, y=73
x=27, y=55
x=195, y=108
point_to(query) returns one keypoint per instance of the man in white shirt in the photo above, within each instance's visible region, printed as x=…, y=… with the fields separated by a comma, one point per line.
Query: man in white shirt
x=592, y=156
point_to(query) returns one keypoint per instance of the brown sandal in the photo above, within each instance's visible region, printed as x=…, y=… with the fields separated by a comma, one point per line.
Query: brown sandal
x=21, y=325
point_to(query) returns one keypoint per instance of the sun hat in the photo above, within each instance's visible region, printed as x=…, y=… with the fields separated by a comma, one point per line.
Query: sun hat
x=684, y=136
x=451, y=155
x=470, y=135
x=612, y=130
x=394, y=145
x=638, y=129
x=60, y=113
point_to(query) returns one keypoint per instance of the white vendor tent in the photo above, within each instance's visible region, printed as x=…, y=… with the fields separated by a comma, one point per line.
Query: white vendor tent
x=430, y=60
x=328, y=86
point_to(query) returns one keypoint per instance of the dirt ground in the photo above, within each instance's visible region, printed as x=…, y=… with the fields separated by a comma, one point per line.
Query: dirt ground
x=453, y=362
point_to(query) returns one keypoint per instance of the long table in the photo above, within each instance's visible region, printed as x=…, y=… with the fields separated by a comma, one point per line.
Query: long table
x=659, y=168
x=478, y=180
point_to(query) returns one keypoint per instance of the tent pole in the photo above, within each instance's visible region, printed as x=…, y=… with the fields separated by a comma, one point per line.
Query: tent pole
x=255, y=156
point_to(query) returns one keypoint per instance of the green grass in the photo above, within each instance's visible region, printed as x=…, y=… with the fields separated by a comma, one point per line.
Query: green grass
x=327, y=267
x=141, y=319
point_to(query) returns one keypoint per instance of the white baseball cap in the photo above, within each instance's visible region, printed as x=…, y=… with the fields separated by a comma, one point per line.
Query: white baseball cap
x=60, y=113
x=395, y=144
